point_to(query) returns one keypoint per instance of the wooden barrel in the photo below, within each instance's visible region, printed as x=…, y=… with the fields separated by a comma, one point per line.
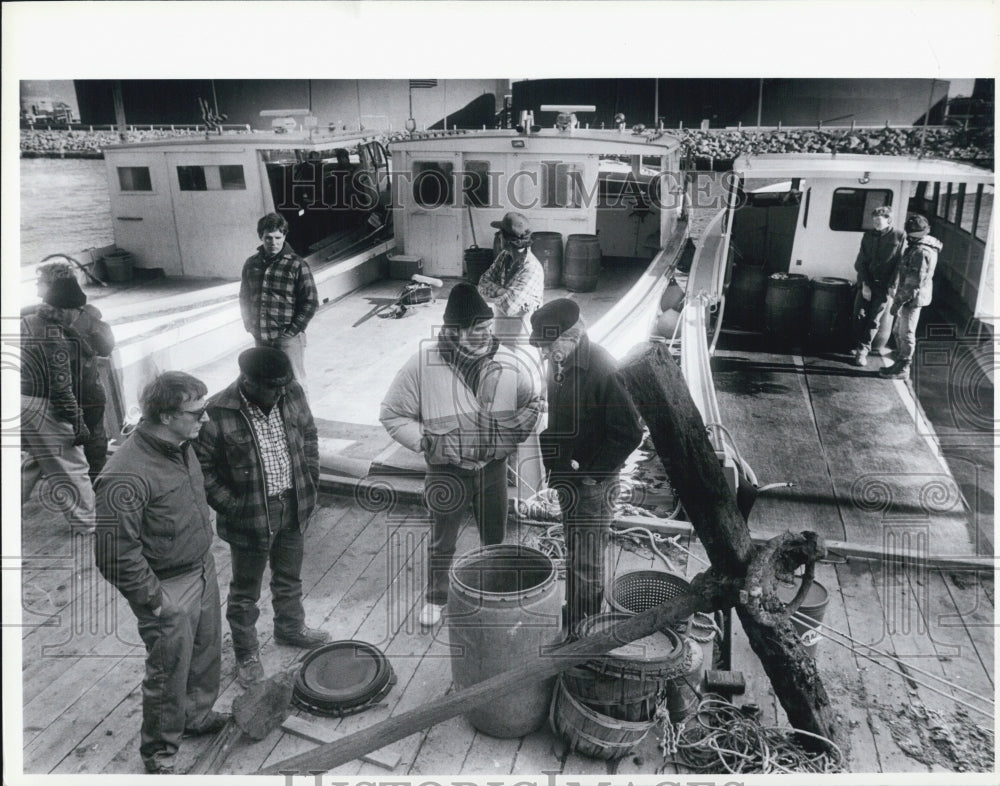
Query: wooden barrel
x=745, y=298
x=504, y=610
x=477, y=261
x=582, y=263
x=829, y=312
x=592, y=733
x=627, y=682
x=548, y=248
x=786, y=305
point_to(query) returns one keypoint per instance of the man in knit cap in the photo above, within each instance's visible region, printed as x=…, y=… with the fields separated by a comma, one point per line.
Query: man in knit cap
x=53, y=426
x=260, y=456
x=465, y=402
x=593, y=427
x=916, y=289
x=85, y=328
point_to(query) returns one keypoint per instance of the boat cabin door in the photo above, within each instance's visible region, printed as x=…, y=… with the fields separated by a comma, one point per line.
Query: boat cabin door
x=432, y=212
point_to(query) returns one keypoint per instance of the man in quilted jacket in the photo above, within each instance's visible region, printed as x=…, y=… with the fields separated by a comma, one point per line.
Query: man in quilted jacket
x=465, y=402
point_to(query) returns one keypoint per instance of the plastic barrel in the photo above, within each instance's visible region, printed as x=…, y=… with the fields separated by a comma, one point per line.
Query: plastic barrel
x=548, y=248
x=884, y=327
x=581, y=263
x=813, y=607
x=504, y=610
x=477, y=260
x=745, y=298
x=829, y=312
x=786, y=305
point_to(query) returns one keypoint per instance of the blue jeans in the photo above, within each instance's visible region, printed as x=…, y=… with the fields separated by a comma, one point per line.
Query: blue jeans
x=587, y=514
x=448, y=492
x=906, y=331
x=285, y=558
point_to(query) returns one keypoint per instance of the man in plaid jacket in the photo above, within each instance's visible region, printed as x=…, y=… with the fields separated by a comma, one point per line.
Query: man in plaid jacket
x=278, y=294
x=260, y=457
x=515, y=281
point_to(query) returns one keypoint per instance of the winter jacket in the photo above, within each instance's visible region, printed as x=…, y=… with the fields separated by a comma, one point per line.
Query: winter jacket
x=50, y=363
x=234, y=473
x=878, y=259
x=916, y=272
x=592, y=419
x=430, y=409
x=153, y=520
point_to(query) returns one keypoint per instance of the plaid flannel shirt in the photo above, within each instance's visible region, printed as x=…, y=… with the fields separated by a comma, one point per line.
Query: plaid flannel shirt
x=516, y=289
x=231, y=461
x=277, y=296
x=273, y=444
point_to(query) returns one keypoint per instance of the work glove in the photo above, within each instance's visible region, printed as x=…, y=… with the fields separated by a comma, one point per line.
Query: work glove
x=894, y=308
x=866, y=292
x=82, y=435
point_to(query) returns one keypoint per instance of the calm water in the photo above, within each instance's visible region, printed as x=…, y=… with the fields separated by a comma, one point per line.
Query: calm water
x=64, y=207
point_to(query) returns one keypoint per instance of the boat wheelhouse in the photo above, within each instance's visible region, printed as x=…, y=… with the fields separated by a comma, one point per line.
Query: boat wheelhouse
x=186, y=206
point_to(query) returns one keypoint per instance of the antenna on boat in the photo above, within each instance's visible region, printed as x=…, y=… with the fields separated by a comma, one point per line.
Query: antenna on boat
x=566, y=118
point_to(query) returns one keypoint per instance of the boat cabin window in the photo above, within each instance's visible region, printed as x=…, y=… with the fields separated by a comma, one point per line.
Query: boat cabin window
x=134, y=178
x=984, y=211
x=432, y=183
x=476, y=183
x=211, y=178
x=562, y=184
x=851, y=208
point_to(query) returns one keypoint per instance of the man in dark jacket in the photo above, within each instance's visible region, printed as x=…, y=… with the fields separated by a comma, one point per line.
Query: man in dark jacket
x=877, y=266
x=94, y=339
x=278, y=295
x=593, y=427
x=154, y=544
x=53, y=425
x=260, y=456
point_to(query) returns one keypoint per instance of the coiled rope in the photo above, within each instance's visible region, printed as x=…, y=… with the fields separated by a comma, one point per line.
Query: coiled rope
x=721, y=737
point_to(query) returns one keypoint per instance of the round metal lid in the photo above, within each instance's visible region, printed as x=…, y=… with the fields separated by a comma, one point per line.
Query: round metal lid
x=343, y=676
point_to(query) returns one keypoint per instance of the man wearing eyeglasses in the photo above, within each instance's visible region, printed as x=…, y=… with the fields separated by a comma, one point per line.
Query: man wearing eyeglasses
x=260, y=456
x=154, y=543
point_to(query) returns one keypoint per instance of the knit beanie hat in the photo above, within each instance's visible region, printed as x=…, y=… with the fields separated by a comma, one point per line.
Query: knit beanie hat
x=916, y=225
x=266, y=363
x=65, y=293
x=552, y=320
x=465, y=306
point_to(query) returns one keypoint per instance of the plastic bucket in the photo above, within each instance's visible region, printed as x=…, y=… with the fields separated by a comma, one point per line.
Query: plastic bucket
x=477, y=261
x=548, y=248
x=118, y=267
x=745, y=298
x=813, y=607
x=786, y=305
x=829, y=312
x=504, y=610
x=582, y=263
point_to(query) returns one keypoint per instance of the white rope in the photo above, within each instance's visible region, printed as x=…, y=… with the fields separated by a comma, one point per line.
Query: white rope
x=652, y=542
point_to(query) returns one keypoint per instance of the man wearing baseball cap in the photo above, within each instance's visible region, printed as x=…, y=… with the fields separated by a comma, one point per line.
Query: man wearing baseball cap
x=515, y=281
x=260, y=456
x=464, y=402
x=916, y=289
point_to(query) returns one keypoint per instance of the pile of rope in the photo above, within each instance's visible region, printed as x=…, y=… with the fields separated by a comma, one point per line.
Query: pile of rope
x=721, y=737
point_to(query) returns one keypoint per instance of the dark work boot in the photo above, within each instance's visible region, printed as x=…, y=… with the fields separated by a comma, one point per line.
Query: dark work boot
x=898, y=370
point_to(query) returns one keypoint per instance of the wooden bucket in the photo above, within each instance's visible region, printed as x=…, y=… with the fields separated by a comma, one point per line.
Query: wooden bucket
x=592, y=733
x=628, y=682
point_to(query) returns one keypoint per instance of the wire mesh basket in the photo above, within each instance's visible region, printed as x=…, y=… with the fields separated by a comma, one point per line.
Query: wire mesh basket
x=636, y=592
